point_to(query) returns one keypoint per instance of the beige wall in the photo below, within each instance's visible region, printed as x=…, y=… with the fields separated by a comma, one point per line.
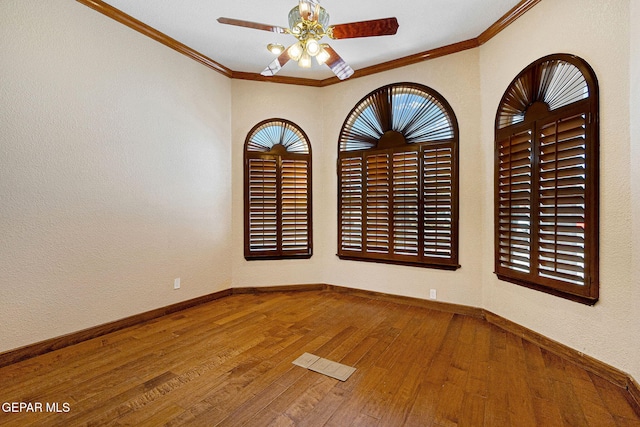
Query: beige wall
x=597, y=31
x=121, y=158
x=634, y=162
x=115, y=173
x=254, y=102
x=456, y=77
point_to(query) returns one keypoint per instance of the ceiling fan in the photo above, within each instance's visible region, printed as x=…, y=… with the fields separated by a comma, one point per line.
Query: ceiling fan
x=308, y=22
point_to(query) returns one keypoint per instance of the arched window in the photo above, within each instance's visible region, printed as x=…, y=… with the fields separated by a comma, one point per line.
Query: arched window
x=398, y=179
x=277, y=191
x=546, y=179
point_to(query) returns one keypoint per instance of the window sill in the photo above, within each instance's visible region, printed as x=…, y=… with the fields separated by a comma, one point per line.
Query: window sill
x=582, y=299
x=451, y=267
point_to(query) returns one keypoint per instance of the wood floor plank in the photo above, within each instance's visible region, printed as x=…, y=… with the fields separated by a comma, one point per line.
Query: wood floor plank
x=564, y=395
x=400, y=387
x=479, y=366
x=521, y=409
x=615, y=402
x=433, y=377
x=497, y=407
x=228, y=363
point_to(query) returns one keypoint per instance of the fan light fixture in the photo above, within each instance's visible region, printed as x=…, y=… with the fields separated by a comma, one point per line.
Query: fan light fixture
x=305, y=60
x=295, y=51
x=323, y=55
x=312, y=47
x=275, y=48
x=309, y=23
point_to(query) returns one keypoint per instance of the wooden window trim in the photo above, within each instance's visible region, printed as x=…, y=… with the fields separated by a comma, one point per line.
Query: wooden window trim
x=535, y=116
x=278, y=154
x=388, y=142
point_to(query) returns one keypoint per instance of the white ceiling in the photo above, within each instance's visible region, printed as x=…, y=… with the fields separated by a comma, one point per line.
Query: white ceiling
x=424, y=25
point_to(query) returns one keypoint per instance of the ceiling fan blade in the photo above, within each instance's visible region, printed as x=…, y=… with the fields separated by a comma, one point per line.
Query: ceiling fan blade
x=254, y=25
x=337, y=64
x=375, y=27
x=277, y=64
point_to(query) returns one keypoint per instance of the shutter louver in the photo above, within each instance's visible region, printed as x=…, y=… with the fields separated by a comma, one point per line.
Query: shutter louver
x=351, y=204
x=406, y=203
x=295, y=206
x=378, y=209
x=555, y=82
x=438, y=201
x=514, y=202
x=562, y=200
x=263, y=205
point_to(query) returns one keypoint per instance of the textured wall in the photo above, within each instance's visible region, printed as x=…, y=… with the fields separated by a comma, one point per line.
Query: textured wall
x=114, y=172
x=456, y=77
x=608, y=330
x=634, y=162
x=254, y=102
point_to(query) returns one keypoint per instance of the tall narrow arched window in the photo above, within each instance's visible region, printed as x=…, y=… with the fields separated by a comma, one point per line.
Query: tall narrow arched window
x=277, y=191
x=546, y=179
x=398, y=179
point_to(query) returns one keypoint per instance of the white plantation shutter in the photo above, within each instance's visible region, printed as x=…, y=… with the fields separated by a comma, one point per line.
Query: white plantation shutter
x=398, y=180
x=546, y=179
x=277, y=192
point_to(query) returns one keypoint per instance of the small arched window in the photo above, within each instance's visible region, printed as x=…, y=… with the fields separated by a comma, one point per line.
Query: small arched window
x=277, y=191
x=398, y=179
x=546, y=179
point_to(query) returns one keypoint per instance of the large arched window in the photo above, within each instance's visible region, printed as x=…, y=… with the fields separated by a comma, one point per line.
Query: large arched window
x=546, y=179
x=398, y=179
x=277, y=191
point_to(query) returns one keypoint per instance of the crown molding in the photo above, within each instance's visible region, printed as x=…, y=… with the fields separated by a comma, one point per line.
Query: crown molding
x=241, y=75
x=506, y=20
x=141, y=27
x=409, y=60
x=118, y=15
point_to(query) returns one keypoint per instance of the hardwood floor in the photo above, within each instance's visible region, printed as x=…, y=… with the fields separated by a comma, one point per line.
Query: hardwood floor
x=228, y=363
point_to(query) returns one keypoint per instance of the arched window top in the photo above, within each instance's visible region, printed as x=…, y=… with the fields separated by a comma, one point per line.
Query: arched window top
x=277, y=134
x=396, y=114
x=554, y=81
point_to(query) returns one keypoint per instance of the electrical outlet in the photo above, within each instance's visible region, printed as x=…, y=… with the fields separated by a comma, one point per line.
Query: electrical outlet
x=176, y=283
x=432, y=294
